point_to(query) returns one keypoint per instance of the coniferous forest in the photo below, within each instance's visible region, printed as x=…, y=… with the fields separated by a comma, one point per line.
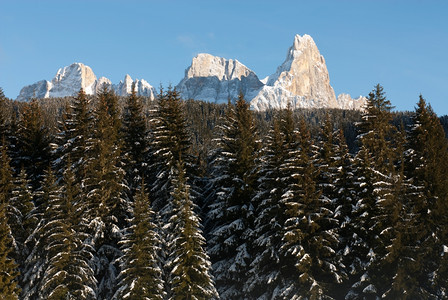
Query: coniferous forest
x=107, y=197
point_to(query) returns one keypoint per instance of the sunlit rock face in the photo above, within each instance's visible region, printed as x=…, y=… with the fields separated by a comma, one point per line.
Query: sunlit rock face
x=301, y=80
x=69, y=80
x=215, y=79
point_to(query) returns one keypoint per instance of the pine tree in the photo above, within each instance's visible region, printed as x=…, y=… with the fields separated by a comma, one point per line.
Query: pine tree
x=426, y=167
x=188, y=261
x=68, y=274
x=307, y=244
x=135, y=136
x=267, y=266
x=344, y=203
x=230, y=219
x=105, y=206
x=6, y=178
x=34, y=143
x=20, y=219
x=378, y=206
x=376, y=131
x=9, y=288
x=170, y=144
x=3, y=114
x=141, y=273
x=37, y=260
x=74, y=132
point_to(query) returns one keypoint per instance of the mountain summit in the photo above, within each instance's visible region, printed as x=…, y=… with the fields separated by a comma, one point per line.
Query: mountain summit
x=69, y=80
x=215, y=79
x=301, y=80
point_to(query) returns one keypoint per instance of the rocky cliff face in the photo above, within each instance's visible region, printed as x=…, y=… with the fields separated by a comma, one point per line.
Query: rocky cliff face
x=216, y=79
x=69, y=80
x=302, y=80
x=345, y=101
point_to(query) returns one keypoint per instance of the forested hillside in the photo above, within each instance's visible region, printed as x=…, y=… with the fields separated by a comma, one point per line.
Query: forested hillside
x=107, y=197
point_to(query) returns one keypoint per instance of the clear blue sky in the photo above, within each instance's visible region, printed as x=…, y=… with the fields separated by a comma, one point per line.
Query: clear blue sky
x=403, y=45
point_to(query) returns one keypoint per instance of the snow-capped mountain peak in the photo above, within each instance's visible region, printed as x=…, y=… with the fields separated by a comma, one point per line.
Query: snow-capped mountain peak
x=217, y=79
x=70, y=79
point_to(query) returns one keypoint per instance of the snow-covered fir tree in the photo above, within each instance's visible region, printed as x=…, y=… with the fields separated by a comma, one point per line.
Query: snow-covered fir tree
x=266, y=269
x=9, y=288
x=74, y=131
x=34, y=143
x=230, y=218
x=135, y=140
x=105, y=203
x=141, y=272
x=36, y=262
x=308, y=245
x=378, y=206
x=170, y=144
x=426, y=166
x=188, y=262
x=68, y=274
x=21, y=220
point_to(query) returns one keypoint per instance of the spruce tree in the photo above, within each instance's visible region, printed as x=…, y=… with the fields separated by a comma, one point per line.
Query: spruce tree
x=105, y=205
x=170, y=144
x=344, y=204
x=230, y=219
x=3, y=115
x=378, y=207
x=135, y=140
x=68, y=274
x=266, y=269
x=308, y=245
x=74, y=132
x=36, y=262
x=21, y=220
x=426, y=167
x=9, y=288
x=141, y=273
x=189, y=264
x=376, y=131
x=34, y=143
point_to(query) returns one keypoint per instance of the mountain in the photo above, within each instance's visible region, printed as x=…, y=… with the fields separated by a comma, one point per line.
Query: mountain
x=69, y=80
x=216, y=79
x=302, y=79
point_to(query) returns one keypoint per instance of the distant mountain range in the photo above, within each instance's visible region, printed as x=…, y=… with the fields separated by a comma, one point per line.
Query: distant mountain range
x=302, y=80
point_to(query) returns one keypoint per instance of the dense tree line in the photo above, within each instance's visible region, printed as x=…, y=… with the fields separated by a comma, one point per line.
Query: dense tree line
x=124, y=198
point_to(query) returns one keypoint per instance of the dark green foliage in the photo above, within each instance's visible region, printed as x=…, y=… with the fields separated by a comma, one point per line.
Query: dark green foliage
x=105, y=206
x=376, y=131
x=189, y=264
x=170, y=145
x=309, y=214
x=9, y=288
x=135, y=140
x=33, y=143
x=74, y=131
x=308, y=242
x=37, y=260
x=67, y=274
x=231, y=209
x=268, y=264
x=427, y=166
x=20, y=219
x=141, y=273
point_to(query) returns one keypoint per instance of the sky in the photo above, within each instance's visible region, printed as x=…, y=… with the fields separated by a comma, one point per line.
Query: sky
x=402, y=45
